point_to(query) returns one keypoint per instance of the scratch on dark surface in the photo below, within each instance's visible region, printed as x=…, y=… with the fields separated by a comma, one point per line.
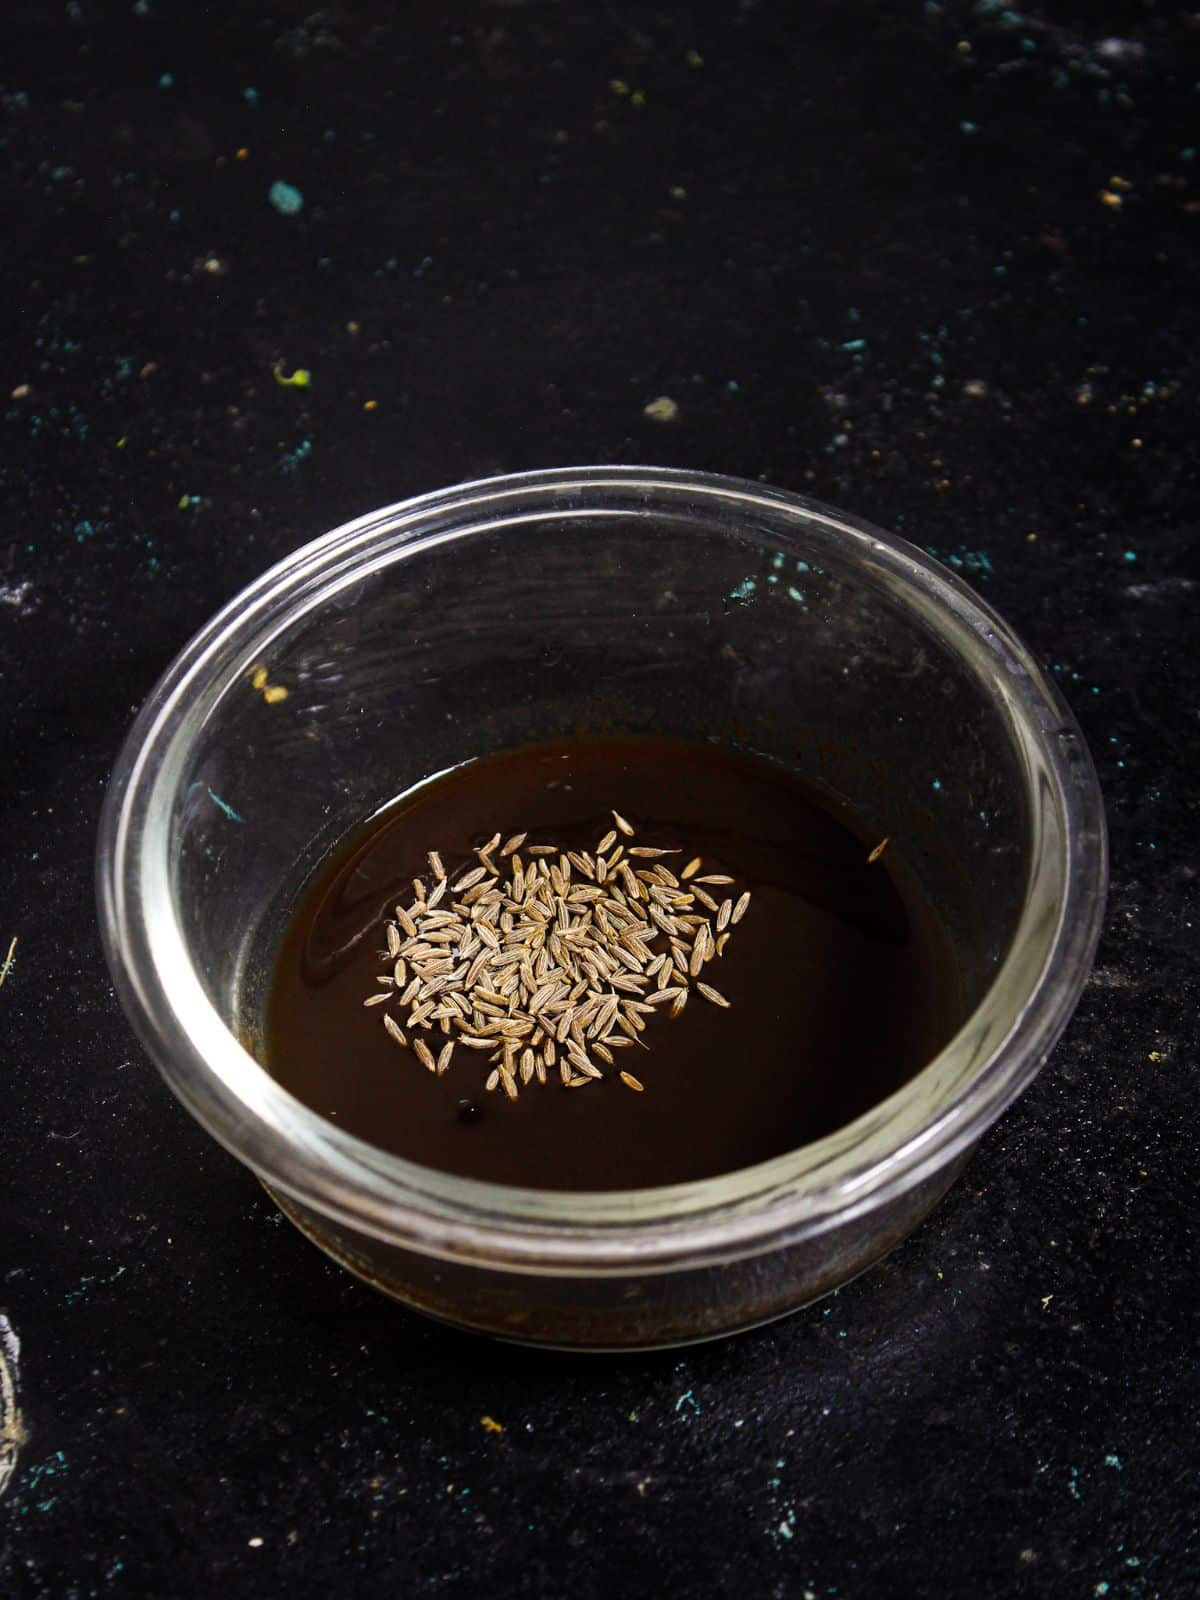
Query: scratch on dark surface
x=1111, y=978
x=1159, y=591
x=8, y=960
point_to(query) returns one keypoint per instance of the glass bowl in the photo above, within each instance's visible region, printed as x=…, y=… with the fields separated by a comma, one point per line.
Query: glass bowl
x=632, y=600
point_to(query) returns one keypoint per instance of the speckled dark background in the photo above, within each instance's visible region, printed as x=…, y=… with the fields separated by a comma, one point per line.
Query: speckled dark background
x=867, y=249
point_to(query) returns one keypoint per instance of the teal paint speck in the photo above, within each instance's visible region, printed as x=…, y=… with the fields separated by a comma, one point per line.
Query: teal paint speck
x=744, y=590
x=687, y=1398
x=936, y=785
x=777, y=561
x=1131, y=555
x=1114, y=1461
x=286, y=199
x=166, y=81
x=223, y=805
x=250, y=95
x=291, y=461
x=969, y=127
x=854, y=344
x=803, y=566
x=89, y=1282
x=796, y=594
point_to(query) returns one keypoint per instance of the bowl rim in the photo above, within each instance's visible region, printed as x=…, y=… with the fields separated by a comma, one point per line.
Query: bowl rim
x=350, y=1182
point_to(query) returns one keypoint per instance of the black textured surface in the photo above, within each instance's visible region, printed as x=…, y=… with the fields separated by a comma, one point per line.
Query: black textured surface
x=865, y=249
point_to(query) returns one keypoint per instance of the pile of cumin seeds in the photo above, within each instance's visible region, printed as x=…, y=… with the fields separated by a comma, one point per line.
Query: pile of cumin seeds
x=546, y=962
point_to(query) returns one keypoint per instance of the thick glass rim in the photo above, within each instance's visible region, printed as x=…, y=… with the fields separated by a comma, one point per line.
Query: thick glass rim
x=891, y=1149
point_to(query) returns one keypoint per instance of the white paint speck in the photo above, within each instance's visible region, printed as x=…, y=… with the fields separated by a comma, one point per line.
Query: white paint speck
x=1114, y=49
x=17, y=596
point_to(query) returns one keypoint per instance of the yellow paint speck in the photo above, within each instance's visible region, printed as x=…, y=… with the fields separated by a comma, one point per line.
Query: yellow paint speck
x=1111, y=200
x=370, y=405
x=491, y=1425
x=664, y=409
x=300, y=379
x=272, y=693
x=242, y=153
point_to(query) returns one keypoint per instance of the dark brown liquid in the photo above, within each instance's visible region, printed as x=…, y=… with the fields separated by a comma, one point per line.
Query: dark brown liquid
x=840, y=981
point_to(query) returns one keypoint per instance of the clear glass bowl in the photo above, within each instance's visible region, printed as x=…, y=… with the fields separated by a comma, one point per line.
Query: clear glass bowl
x=616, y=600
